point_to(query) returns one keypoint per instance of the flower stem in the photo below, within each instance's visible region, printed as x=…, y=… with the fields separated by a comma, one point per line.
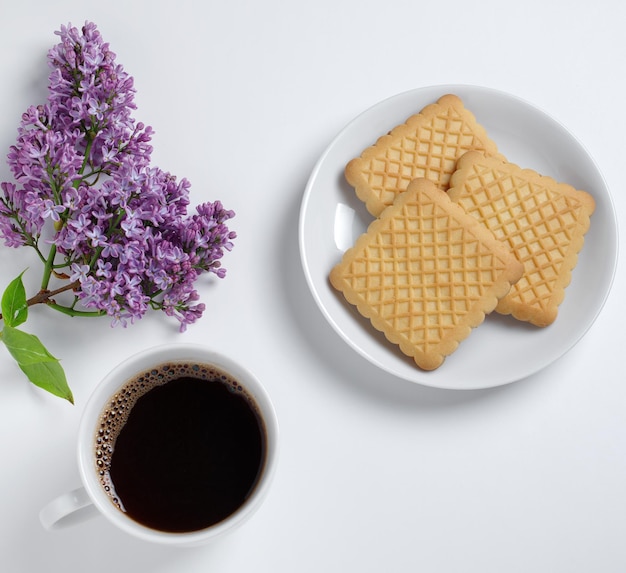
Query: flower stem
x=73, y=312
x=47, y=269
x=45, y=295
x=90, y=137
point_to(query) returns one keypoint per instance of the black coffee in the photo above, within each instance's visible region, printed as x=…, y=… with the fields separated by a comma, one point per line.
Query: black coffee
x=180, y=447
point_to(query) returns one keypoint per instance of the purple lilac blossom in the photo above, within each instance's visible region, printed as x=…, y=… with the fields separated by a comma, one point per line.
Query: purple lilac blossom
x=121, y=226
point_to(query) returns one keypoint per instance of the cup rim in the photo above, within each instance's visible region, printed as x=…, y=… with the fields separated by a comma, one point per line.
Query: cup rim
x=122, y=373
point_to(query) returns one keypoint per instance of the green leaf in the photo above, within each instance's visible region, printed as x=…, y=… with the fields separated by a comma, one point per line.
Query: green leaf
x=41, y=368
x=25, y=348
x=14, y=306
x=49, y=376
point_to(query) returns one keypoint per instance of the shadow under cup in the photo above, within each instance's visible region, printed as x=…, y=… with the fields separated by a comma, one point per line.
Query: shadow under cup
x=178, y=444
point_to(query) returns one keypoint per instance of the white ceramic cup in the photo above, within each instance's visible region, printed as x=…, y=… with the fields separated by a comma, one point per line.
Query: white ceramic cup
x=66, y=507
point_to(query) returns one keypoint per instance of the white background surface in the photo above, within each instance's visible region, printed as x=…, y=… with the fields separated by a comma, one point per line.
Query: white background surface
x=376, y=474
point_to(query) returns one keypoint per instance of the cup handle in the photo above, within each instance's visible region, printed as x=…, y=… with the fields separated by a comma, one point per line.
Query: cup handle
x=54, y=514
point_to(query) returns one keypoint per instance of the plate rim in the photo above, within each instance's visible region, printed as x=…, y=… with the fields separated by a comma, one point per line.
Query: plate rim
x=442, y=89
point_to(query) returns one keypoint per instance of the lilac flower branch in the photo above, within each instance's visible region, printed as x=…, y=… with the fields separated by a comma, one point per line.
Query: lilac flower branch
x=121, y=236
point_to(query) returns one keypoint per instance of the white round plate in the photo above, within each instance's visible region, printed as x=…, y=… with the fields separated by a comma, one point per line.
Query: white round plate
x=501, y=350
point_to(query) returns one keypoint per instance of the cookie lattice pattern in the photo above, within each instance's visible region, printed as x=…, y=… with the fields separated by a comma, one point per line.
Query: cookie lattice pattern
x=539, y=224
x=430, y=151
x=422, y=272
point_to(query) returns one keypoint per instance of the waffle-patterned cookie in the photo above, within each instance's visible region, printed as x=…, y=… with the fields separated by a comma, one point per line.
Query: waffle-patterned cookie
x=425, y=273
x=426, y=145
x=543, y=222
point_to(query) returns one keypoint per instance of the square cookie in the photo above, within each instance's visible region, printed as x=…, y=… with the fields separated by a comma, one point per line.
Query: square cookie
x=542, y=221
x=426, y=145
x=425, y=273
